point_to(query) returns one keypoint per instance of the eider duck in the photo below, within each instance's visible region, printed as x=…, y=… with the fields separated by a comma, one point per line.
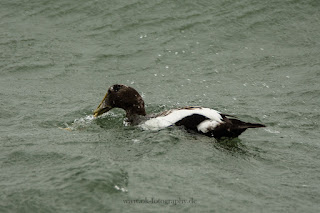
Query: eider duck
x=205, y=121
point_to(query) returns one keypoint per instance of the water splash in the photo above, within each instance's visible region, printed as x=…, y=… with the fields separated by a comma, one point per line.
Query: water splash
x=80, y=123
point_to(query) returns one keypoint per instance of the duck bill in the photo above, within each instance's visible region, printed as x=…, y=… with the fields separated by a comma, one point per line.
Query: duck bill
x=102, y=108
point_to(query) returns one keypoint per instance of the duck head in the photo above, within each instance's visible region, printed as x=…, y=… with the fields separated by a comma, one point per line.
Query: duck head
x=124, y=97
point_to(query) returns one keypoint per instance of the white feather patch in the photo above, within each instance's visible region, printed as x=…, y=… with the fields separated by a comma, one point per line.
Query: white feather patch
x=176, y=115
x=207, y=126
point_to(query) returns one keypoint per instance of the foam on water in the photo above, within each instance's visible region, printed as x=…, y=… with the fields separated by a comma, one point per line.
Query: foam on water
x=79, y=123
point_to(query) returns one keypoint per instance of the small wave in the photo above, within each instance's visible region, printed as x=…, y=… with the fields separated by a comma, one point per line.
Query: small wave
x=272, y=131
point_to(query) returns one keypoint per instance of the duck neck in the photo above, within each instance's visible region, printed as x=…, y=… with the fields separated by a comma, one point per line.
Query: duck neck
x=134, y=115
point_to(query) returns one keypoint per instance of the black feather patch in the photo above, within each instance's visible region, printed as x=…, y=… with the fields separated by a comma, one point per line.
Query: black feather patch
x=230, y=127
x=192, y=121
x=116, y=87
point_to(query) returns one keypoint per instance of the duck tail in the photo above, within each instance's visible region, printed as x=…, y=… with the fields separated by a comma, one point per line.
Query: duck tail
x=244, y=125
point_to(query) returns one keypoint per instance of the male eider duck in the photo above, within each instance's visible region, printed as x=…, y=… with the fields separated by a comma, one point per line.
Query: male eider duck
x=198, y=119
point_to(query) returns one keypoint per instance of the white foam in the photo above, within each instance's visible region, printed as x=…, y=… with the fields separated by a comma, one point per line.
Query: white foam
x=272, y=131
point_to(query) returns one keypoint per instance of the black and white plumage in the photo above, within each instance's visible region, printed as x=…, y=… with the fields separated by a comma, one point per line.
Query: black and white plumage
x=198, y=119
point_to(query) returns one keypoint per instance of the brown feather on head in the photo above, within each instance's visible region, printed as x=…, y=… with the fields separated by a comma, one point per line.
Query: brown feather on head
x=124, y=97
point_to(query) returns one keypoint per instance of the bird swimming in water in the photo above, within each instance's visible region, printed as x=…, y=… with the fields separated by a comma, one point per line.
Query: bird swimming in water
x=202, y=120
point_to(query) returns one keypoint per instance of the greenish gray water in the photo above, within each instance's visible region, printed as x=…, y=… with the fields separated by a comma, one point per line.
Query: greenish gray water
x=254, y=59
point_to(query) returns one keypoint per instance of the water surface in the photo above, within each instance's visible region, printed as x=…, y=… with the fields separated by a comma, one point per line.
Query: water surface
x=256, y=60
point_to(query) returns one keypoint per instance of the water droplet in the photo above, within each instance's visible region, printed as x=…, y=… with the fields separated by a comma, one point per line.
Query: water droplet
x=120, y=189
x=135, y=140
